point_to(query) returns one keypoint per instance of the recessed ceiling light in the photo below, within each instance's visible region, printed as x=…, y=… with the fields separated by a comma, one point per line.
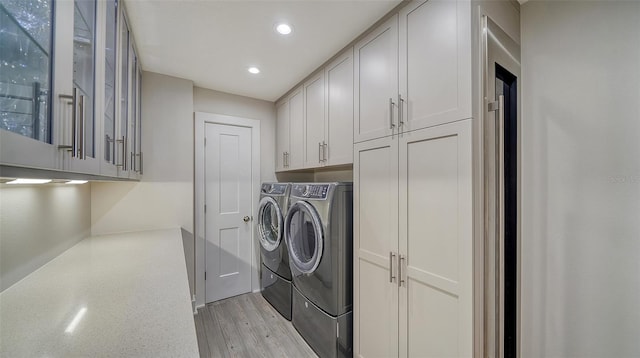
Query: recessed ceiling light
x=254, y=70
x=283, y=29
x=29, y=181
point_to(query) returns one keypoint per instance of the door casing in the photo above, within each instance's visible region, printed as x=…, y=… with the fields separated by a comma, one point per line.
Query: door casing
x=200, y=120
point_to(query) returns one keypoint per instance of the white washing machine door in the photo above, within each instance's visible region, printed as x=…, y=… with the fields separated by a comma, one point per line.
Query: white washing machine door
x=305, y=237
x=270, y=223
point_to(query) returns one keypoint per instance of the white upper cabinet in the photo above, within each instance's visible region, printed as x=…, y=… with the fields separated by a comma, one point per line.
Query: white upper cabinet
x=434, y=64
x=29, y=100
x=290, y=132
x=338, y=147
x=82, y=88
x=59, y=109
x=296, y=130
x=314, y=135
x=376, y=82
x=110, y=25
x=315, y=122
x=282, y=134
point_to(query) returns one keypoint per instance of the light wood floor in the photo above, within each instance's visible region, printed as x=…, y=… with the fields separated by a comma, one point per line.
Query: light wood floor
x=247, y=326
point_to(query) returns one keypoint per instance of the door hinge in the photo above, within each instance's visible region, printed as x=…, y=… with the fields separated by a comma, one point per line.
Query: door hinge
x=205, y=141
x=205, y=208
x=205, y=275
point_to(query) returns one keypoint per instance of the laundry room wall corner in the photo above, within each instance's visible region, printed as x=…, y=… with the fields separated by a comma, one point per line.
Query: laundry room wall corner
x=164, y=196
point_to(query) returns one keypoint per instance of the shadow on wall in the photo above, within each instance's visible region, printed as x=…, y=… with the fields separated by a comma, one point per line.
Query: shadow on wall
x=188, y=244
x=137, y=206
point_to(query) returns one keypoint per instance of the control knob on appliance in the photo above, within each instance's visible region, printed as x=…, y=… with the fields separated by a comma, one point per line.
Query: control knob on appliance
x=306, y=190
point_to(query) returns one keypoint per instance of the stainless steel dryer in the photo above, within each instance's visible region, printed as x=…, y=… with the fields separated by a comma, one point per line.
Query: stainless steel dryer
x=319, y=235
x=275, y=275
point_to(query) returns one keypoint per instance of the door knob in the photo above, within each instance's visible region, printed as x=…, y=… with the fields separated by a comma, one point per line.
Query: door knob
x=246, y=219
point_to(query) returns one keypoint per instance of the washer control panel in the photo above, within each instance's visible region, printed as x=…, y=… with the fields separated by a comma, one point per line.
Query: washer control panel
x=310, y=191
x=274, y=189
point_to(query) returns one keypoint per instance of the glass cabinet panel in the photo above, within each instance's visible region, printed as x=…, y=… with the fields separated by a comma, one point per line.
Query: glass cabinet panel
x=84, y=26
x=25, y=67
x=124, y=91
x=133, y=122
x=110, y=81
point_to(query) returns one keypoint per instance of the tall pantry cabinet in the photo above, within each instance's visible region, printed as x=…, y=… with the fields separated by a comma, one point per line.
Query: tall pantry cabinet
x=413, y=273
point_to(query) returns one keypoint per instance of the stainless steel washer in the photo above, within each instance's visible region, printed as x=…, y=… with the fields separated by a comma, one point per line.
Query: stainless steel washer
x=275, y=275
x=319, y=236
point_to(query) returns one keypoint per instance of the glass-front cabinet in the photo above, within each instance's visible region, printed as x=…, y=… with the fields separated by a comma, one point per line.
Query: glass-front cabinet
x=26, y=86
x=70, y=82
x=108, y=165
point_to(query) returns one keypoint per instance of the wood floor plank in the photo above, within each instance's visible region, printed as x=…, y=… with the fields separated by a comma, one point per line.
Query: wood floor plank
x=203, y=345
x=290, y=338
x=268, y=336
x=237, y=344
x=213, y=332
x=248, y=326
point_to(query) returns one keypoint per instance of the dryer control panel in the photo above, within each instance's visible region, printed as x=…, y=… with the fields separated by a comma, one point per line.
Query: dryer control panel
x=274, y=188
x=310, y=191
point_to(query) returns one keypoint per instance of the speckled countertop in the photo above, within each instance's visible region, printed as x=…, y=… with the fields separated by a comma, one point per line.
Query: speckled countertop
x=122, y=295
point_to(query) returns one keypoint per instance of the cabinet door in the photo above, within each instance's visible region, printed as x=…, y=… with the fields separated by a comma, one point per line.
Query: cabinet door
x=108, y=137
x=375, y=207
x=376, y=82
x=134, y=118
x=436, y=241
x=339, y=110
x=296, y=130
x=28, y=111
x=124, y=86
x=314, y=121
x=282, y=135
x=84, y=84
x=434, y=63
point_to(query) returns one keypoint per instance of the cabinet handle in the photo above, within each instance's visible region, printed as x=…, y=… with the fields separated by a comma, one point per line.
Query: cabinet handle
x=402, y=258
x=141, y=163
x=391, y=256
x=391, y=125
x=325, y=151
x=400, y=110
x=320, y=152
x=123, y=163
x=82, y=152
x=72, y=147
x=124, y=153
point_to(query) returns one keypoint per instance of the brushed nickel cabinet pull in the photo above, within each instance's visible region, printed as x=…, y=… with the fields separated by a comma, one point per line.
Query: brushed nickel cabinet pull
x=391, y=256
x=391, y=124
x=401, y=280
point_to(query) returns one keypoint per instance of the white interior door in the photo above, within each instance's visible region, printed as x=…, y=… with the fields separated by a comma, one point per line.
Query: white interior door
x=227, y=211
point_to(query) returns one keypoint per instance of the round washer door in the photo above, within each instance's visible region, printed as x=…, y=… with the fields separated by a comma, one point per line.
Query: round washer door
x=305, y=237
x=270, y=223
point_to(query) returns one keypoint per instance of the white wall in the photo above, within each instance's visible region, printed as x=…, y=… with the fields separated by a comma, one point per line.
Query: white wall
x=581, y=179
x=164, y=196
x=210, y=101
x=38, y=223
x=205, y=100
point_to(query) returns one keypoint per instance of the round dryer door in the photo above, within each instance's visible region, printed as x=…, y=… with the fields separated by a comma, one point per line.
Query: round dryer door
x=305, y=237
x=269, y=223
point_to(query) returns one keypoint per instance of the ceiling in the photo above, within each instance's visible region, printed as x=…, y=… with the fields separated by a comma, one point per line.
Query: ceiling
x=214, y=42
